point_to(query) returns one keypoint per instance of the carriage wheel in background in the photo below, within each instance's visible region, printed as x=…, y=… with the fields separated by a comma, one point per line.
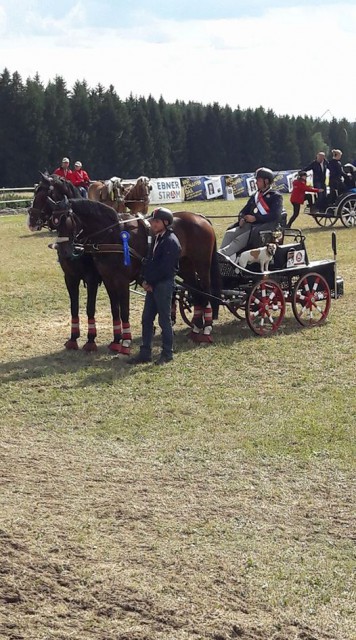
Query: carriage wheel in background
x=326, y=220
x=265, y=307
x=347, y=210
x=311, y=300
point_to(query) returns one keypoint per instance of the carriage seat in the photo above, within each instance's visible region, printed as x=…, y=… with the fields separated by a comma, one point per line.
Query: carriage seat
x=275, y=233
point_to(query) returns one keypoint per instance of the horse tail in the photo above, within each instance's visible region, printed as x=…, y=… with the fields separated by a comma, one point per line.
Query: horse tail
x=215, y=280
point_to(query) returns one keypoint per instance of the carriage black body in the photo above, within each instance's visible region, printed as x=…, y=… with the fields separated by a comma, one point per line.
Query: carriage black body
x=343, y=209
x=293, y=278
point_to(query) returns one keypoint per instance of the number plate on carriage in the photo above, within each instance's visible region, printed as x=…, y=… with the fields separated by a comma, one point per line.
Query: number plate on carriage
x=295, y=257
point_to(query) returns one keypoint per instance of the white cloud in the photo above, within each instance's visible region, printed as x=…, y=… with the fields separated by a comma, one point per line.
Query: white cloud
x=289, y=60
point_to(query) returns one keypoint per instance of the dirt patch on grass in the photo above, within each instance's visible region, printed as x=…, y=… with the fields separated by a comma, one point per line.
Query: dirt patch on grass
x=101, y=540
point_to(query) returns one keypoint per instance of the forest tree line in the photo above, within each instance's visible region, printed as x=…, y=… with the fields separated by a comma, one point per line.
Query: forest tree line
x=142, y=136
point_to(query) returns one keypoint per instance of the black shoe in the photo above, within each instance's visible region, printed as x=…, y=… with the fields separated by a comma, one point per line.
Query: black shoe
x=163, y=359
x=139, y=359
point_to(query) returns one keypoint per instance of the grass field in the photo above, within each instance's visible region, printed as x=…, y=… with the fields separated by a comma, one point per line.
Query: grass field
x=212, y=498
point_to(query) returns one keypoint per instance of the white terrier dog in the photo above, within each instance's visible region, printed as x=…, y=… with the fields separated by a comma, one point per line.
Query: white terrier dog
x=263, y=255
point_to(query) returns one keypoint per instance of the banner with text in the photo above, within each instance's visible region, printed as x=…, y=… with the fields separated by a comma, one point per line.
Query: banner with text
x=166, y=190
x=227, y=187
x=202, y=187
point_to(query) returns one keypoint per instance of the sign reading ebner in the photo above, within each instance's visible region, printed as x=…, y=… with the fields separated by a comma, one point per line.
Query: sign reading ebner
x=165, y=190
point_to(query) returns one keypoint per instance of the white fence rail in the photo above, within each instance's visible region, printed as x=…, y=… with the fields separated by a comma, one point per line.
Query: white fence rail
x=5, y=190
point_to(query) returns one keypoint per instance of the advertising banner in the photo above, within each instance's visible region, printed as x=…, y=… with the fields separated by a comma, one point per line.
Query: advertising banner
x=202, y=187
x=228, y=187
x=283, y=181
x=241, y=184
x=166, y=190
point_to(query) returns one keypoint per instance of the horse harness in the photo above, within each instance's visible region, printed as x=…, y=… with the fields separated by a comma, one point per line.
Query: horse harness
x=83, y=247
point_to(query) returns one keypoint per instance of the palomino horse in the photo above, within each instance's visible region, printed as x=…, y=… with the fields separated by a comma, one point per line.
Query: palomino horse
x=81, y=269
x=93, y=229
x=137, y=197
x=110, y=192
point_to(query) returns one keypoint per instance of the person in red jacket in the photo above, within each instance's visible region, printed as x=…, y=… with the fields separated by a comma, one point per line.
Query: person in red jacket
x=80, y=179
x=64, y=171
x=297, y=197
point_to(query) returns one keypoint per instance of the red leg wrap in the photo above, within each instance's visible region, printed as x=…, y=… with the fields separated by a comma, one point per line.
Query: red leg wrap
x=91, y=327
x=115, y=347
x=74, y=328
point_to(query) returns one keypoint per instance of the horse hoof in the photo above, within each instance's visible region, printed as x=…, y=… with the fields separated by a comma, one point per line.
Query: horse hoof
x=125, y=351
x=115, y=347
x=90, y=346
x=194, y=336
x=71, y=344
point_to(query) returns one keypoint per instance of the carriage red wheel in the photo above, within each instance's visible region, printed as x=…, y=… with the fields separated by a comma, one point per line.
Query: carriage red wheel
x=311, y=300
x=265, y=307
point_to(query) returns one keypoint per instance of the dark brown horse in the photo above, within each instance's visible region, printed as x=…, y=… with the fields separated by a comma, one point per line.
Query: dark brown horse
x=95, y=230
x=81, y=269
x=55, y=187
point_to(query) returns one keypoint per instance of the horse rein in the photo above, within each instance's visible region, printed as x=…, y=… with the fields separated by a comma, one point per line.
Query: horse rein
x=83, y=245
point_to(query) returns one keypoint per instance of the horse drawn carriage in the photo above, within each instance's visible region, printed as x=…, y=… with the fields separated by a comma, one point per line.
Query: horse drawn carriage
x=306, y=285
x=90, y=249
x=343, y=209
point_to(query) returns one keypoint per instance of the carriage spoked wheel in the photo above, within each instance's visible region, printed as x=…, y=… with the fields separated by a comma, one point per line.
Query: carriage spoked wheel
x=311, y=300
x=265, y=307
x=186, y=309
x=235, y=307
x=326, y=220
x=347, y=211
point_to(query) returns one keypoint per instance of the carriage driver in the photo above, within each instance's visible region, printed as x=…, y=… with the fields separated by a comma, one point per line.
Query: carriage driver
x=262, y=211
x=158, y=272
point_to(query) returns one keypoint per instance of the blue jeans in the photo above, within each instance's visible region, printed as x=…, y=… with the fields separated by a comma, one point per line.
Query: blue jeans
x=159, y=301
x=83, y=192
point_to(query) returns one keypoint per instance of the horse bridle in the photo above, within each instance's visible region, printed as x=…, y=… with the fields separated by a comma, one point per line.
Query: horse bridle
x=67, y=214
x=57, y=217
x=45, y=222
x=145, y=199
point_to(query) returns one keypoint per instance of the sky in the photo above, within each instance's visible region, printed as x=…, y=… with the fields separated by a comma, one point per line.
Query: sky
x=292, y=56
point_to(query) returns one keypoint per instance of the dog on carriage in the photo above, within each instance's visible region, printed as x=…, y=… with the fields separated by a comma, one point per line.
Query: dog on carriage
x=262, y=256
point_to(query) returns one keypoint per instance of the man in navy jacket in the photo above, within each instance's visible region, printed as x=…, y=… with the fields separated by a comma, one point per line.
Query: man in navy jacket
x=319, y=167
x=262, y=211
x=158, y=273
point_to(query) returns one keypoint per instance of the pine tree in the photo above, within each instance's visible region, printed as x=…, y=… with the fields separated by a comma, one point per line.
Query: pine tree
x=57, y=122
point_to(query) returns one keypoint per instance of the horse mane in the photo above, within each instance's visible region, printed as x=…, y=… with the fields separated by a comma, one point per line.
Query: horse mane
x=139, y=188
x=73, y=191
x=113, y=183
x=97, y=211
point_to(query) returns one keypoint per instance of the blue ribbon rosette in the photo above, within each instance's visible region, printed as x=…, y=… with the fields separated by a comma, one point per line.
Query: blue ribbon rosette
x=125, y=237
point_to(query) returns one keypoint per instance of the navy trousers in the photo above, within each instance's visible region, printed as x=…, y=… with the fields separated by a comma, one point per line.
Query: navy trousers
x=158, y=302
